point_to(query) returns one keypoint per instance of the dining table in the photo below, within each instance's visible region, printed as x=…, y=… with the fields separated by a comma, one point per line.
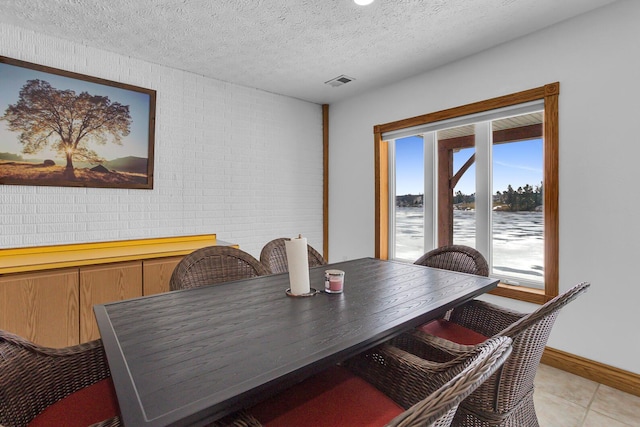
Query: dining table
x=192, y=356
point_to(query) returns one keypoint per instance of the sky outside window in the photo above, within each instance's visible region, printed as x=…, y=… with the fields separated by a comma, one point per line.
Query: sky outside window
x=515, y=167
x=409, y=165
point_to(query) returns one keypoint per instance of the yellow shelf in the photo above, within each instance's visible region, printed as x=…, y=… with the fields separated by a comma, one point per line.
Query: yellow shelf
x=20, y=260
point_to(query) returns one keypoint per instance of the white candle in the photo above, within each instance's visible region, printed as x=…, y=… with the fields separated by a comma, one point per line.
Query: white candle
x=298, y=263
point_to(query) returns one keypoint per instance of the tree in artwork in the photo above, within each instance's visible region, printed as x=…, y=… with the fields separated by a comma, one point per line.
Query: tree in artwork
x=70, y=123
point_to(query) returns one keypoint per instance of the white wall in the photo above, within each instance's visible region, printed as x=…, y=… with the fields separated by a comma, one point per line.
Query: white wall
x=595, y=58
x=239, y=162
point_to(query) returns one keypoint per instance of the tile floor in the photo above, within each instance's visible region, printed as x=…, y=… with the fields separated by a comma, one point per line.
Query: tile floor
x=566, y=400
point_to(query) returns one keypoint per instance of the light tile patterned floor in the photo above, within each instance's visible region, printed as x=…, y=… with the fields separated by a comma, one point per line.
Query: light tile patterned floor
x=566, y=400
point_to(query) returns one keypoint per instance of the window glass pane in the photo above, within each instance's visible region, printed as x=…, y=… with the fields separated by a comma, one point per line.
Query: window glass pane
x=409, y=214
x=516, y=237
x=517, y=217
x=464, y=198
x=457, y=145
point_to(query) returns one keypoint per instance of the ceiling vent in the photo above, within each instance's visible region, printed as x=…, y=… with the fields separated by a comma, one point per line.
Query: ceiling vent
x=339, y=81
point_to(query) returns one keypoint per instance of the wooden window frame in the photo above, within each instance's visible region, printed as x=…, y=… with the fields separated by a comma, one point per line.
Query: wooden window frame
x=549, y=93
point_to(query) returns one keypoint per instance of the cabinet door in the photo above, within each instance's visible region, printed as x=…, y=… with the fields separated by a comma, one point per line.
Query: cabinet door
x=157, y=273
x=41, y=307
x=102, y=284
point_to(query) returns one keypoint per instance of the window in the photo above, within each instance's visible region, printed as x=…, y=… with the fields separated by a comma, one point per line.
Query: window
x=482, y=175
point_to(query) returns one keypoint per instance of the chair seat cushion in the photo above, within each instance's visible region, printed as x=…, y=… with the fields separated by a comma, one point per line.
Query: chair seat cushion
x=87, y=406
x=334, y=398
x=452, y=332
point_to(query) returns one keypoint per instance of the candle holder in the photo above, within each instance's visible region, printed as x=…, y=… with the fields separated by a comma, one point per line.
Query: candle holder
x=311, y=293
x=333, y=281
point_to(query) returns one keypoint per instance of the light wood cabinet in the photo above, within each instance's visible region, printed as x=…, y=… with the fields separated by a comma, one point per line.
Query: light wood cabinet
x=156, y=274
x=41, y=307
x=47, y=293
x=102, y=284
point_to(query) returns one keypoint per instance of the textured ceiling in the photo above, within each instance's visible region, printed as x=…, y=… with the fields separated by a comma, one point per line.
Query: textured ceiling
x=292, y=47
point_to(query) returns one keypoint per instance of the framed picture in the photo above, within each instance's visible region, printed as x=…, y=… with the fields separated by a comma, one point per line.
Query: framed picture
x=60, y=128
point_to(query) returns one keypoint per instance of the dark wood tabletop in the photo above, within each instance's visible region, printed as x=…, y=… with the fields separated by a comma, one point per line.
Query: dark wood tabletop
x=190, y=357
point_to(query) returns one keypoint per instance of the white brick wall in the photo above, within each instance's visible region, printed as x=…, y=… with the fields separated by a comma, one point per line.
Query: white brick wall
x=231, y=160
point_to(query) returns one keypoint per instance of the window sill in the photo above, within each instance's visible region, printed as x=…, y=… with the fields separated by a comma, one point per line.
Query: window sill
x=536, y=296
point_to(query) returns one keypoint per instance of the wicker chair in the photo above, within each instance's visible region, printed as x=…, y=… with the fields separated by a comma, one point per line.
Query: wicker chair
x=274, y=256
x=505, y=399
x=420, y=392
x=463, y=259
x=44, y=384
x=214, y=264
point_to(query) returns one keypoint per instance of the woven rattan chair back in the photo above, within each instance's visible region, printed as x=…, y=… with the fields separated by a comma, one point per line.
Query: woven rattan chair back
x=32, y=377
x=212, y=265
x=429, y=391
x=463, y=259
x=439, y=408
x=274, y=256
x=506, y=398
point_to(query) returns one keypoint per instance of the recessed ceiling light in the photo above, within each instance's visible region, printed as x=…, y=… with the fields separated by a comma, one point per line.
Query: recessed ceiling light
x=363, y=2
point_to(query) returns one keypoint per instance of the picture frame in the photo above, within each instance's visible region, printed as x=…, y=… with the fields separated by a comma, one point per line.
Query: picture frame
x=61, y=128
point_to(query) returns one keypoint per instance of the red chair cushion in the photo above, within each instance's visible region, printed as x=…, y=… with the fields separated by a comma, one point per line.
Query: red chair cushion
x=333, y=398
x=452, y=332
x=85, y=407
